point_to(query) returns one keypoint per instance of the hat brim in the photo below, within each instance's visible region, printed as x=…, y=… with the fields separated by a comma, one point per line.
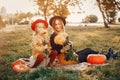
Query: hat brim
x=39, y=21
x=57, y=17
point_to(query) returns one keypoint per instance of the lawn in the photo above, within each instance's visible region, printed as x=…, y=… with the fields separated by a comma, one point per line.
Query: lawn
x=15, y=44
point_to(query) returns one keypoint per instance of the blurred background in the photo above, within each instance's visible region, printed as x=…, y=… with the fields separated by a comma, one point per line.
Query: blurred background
x=76, y=12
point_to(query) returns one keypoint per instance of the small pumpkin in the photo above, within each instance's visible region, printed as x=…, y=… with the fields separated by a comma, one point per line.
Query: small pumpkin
x=17, y=62
x=96, y=58
x=20, y=68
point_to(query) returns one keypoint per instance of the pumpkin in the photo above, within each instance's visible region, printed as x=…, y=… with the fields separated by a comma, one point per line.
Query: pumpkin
x=62, y=61
x=20, y=68
x=17, y=62
x=96, y=59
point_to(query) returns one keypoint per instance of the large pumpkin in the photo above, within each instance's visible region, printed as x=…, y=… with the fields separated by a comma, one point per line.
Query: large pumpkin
x=96, y=59
x=62, y=61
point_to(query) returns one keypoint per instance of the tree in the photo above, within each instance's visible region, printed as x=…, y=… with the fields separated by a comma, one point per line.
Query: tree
x=117, y=4
x=43, y=6
x=119, y=19
x=61, y=10
x=29, y=15
x=91, y=18
x=1, y=23
x=108, y=9
x=53, y=7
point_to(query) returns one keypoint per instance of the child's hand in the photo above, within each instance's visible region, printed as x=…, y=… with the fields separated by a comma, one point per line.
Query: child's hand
x=67, y=47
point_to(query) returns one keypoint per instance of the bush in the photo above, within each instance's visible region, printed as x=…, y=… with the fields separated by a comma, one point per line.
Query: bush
x=91, y=18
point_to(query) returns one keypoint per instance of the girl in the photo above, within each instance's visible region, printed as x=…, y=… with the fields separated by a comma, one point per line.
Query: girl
x=40, y=48
x=58, y=25
x=40, y=43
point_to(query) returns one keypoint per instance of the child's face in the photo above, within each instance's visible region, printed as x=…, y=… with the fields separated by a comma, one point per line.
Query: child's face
x=58, y=26
x=40, y=27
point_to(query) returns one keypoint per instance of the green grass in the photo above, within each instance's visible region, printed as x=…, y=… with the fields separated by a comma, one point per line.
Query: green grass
x=52, y=74
x=16, y=44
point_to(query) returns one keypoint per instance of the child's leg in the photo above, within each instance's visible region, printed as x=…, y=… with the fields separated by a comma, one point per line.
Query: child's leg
x=86, y=51
x=52, y=56
x=82, y=54
x=39, y=59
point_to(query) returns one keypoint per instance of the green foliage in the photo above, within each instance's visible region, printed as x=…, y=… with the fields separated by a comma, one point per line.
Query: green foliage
x=91, y=18
x=70, y=52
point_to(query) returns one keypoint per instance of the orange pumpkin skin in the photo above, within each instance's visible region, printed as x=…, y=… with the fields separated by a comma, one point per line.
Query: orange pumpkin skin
x=17, y=62
x=20, y=68
x=62, y=61
x=96, y=59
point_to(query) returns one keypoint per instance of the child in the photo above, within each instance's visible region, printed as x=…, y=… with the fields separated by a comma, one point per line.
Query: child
x=58, y=25
x=40, y=43
x=40, y=48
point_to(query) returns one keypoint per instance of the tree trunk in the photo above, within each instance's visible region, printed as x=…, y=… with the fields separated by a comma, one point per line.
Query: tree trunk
x=2, y=24
x=103, y=15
